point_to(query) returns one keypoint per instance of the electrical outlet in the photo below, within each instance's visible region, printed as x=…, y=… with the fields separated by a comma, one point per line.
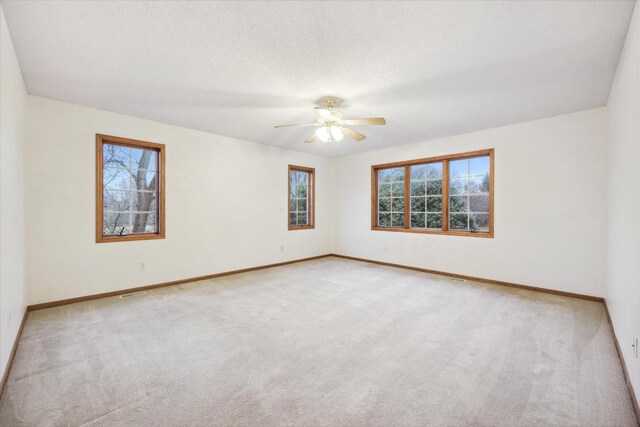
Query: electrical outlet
x=281, y=248
x=142, y=266
x=386, y=248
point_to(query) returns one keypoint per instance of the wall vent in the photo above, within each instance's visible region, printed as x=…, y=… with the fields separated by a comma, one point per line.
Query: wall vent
x=133, y=294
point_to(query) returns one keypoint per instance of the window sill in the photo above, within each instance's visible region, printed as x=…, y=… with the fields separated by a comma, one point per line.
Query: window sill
x=128, y=238
x=301, y=227
x=484, y=234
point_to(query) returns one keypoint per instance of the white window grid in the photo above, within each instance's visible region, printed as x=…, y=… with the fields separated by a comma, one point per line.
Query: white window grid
x=426, y=211
x=131, y=191
x=391, y=199
x=466, y=178
x=306, y=199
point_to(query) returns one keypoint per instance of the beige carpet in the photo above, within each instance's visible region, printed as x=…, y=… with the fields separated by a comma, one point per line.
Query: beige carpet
x=322, y=343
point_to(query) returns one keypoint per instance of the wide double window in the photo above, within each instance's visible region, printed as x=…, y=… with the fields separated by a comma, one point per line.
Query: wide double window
x=301, y=197
x=130, y=189
x=447, y=195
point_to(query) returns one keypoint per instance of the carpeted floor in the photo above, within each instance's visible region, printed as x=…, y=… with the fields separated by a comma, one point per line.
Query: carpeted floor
x=328, y=342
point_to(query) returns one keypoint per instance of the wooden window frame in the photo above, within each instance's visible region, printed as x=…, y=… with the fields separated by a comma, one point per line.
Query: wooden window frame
x=445, y=194
x=311, y=198
x=115, y=140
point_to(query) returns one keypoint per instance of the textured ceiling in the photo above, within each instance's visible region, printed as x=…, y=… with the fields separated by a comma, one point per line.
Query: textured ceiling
x=432, y=69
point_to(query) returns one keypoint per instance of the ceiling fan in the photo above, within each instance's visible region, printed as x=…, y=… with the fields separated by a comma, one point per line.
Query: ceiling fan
x=332, y=127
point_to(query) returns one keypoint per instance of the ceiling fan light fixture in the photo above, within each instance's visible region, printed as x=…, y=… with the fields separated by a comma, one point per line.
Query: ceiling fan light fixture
x=330, y=126
x=336, y=133
x=323, y=134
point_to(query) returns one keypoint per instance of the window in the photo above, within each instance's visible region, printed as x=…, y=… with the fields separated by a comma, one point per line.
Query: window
x=130, y=189
x=301, y=197
x=445, y=195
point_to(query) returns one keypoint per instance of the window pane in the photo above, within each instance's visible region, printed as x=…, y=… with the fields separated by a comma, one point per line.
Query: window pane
x=116, y=156
x=130, y=190
x=479, y=184
x=485, y=185
x=417, y=204
x=479, y=165
x=384, y=205
x=418, y=172
x=144, y=222
x=300, y=195
x=459, y=168
x=391, y=175
x=397, y=189
x=114, y=223
x=145, y=180
x=384, y=190
x=458, y=186
x=142, y=201
x=397, y=204
x=116, y=201
x=152, y=226
x=434, y=170
x=475, y=185
x=469, y=192
x=390, y=183
x=458, y=221
x=397, y=174
x=397, y=219
x=417, y=220
x=384, y=176
x=418, y=188
x=434, y=221
x=116, y=179
x=479, y=203
x=384, y=220
x=434, y=187
x=434, y=204
x=458, y=204
x=143, y=158
x=480, y=222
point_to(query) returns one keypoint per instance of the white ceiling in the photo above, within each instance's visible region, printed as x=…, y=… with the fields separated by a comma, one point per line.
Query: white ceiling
x=432, y=69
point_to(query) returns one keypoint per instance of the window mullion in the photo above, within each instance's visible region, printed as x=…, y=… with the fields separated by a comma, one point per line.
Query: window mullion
x=407, y=197
x=445, y=195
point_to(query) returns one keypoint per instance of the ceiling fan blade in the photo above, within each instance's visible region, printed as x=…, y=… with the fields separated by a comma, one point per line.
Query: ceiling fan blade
x=306, y=124
x=353, y=134
x=311, y=138
x=371, y=121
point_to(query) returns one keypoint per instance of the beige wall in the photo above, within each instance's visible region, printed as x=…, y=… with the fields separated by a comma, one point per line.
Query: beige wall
x=623, y=201
x=12, y=246
x=226, y=205
x=549, y=206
